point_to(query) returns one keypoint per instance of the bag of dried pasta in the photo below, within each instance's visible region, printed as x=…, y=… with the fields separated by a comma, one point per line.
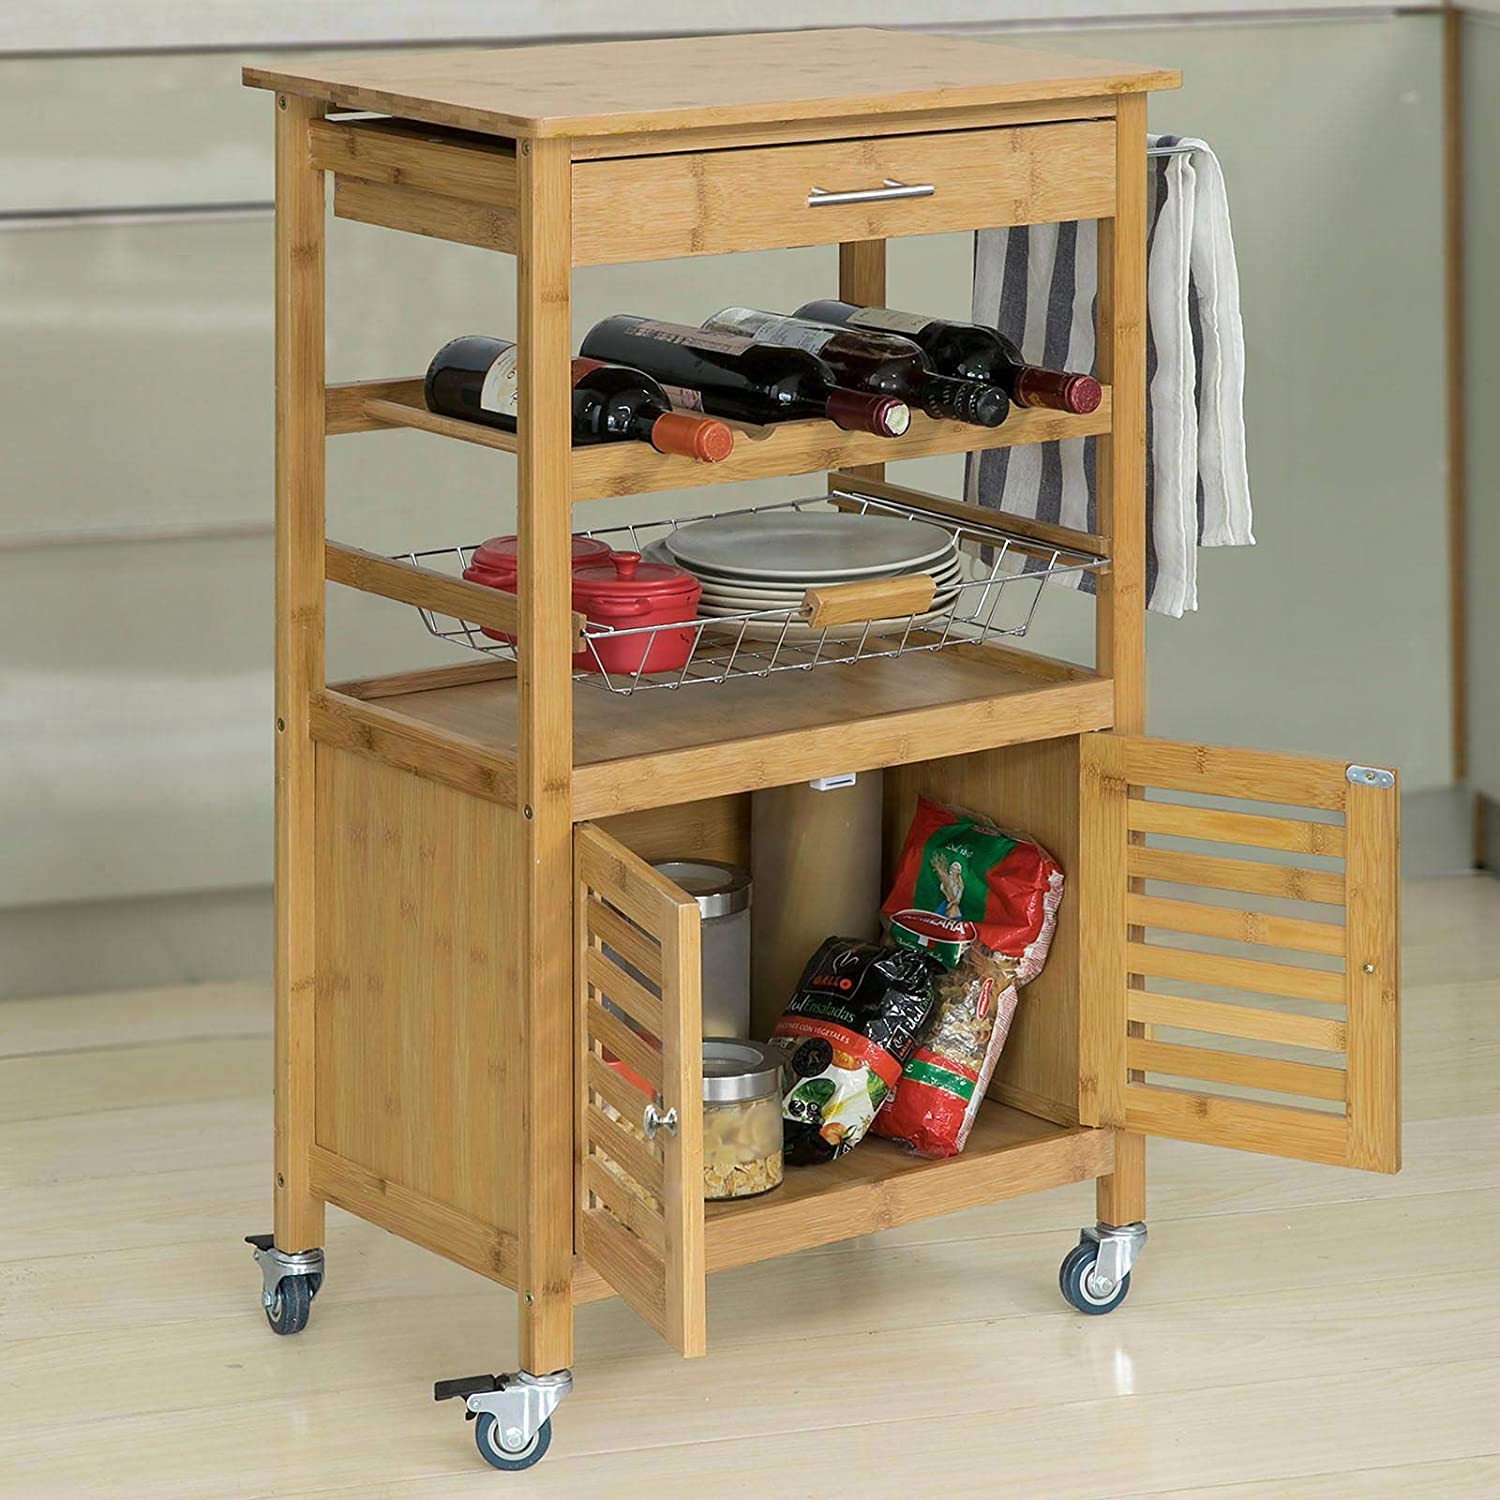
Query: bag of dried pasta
x=942, y=1083
x=858, y=1010
x=959, y=865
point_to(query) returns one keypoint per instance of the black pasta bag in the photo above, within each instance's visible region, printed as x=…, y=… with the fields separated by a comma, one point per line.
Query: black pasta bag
x=850, y=1026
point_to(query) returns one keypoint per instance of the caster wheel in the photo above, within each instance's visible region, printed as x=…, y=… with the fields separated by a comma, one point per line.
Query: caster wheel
x=487, y=1440
x=1073, y=1281
x=289, y=1309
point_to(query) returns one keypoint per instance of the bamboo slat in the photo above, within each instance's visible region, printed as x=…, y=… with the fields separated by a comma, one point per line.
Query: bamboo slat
x=1235, y=973
x=1236, y=925
x=1249, y=1022
x=1254, y=830
x=1242, y=1069
x=1288, y=881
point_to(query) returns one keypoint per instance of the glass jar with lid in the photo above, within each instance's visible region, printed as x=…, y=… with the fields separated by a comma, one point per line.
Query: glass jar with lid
x=741, y=1117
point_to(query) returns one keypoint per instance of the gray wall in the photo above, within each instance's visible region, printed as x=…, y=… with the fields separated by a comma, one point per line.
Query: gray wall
x=1482, y=258
x=1330, y=635
x=136, y=687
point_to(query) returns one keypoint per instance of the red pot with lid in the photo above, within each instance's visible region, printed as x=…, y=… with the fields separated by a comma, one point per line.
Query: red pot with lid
x=496, y=563
x=625, y=593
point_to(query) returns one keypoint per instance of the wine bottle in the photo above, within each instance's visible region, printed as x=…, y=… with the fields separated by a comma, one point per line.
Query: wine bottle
x=729, y=375
x=969, y=352
x=474, y=378
x=868, y=360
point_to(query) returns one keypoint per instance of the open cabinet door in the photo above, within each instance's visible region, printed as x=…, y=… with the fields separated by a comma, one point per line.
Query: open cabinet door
x=1240, y=981
x=639, y=1193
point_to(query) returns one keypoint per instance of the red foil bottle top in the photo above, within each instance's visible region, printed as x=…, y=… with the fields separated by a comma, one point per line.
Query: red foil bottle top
x=1083, y=394
x=1058, y=389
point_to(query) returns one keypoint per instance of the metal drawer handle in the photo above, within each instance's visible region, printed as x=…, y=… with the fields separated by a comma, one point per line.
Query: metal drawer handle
x=652, y=1121
x=822, y=198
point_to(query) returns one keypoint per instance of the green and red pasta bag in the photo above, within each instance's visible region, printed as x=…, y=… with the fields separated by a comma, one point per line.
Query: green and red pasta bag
x=1001, y=889
x=958, y=865
x=942, y=1083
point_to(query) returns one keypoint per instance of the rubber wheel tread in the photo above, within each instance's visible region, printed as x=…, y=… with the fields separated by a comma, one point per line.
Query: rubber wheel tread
x=289, y=1312
x=1070, y=1278
x=496, y=1457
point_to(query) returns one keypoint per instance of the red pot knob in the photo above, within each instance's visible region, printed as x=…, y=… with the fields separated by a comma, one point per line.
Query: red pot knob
x=625, y=563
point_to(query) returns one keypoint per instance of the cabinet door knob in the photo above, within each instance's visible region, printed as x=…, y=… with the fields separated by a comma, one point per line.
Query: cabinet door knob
x=653, y=1120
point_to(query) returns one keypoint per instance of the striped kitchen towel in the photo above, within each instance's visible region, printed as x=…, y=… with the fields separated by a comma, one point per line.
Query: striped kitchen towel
x=1036, y=284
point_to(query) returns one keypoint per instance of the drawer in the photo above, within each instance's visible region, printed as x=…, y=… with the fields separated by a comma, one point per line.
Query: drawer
x=761, y=198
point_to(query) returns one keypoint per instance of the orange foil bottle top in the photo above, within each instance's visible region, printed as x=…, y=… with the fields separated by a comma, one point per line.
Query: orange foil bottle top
x=704, y=438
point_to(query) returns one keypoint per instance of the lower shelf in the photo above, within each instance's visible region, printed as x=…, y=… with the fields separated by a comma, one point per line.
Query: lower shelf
x=878, y=1186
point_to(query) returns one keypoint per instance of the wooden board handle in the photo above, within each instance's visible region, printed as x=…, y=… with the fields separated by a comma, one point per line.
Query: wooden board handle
x=873, y=599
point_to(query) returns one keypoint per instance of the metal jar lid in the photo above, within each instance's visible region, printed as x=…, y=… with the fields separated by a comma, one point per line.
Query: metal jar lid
x=720, y=890
x=734, y=1069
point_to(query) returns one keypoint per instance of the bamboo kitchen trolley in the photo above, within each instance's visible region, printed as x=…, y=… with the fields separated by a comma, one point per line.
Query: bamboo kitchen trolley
x=460, y=850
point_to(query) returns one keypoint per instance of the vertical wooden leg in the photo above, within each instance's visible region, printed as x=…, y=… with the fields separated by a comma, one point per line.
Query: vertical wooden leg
x=862, y=280
x=544, y=529
x=1120, y=620
x=1121, y=1197
x=1120, y=634
x=299, y=654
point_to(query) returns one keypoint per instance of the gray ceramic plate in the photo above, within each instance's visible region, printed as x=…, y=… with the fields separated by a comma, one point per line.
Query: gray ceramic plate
x=791, y=546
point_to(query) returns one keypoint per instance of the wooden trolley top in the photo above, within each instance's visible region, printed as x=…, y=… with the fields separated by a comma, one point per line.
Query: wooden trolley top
x=766, y=79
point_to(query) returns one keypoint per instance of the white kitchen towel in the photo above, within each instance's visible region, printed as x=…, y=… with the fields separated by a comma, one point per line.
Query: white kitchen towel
x=1036, y=284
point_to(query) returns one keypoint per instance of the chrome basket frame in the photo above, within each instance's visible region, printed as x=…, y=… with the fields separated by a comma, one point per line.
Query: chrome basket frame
x=757, y=643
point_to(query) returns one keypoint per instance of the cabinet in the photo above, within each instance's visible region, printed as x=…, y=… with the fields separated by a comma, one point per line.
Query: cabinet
x=464, y=855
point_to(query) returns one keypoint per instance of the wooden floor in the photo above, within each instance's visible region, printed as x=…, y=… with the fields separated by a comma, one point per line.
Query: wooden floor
x=1293, y=1331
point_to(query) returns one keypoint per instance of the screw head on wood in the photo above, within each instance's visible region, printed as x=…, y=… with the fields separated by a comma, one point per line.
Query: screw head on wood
x=526, y=811
x=281, y=101
x=1369, y=968
x=281, y=726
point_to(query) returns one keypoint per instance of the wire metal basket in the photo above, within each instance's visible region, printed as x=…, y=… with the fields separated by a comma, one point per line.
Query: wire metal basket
x=1002, y=577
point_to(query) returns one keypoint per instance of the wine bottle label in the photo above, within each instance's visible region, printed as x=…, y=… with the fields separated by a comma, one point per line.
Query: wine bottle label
x=771, y=328
x=746, y=320
x=890, y=320
x=684, y=398
x=695, y=338
x=789, y=333
x=499, y=392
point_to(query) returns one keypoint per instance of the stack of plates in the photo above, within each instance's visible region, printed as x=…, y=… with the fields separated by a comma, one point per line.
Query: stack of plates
x=767, y=560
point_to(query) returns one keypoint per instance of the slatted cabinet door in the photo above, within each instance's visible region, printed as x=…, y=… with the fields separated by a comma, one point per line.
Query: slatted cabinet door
x=639, y=1193
x=1240, y=982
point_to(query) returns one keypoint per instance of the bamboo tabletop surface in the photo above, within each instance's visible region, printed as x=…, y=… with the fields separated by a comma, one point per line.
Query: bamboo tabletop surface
x=612, y=88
